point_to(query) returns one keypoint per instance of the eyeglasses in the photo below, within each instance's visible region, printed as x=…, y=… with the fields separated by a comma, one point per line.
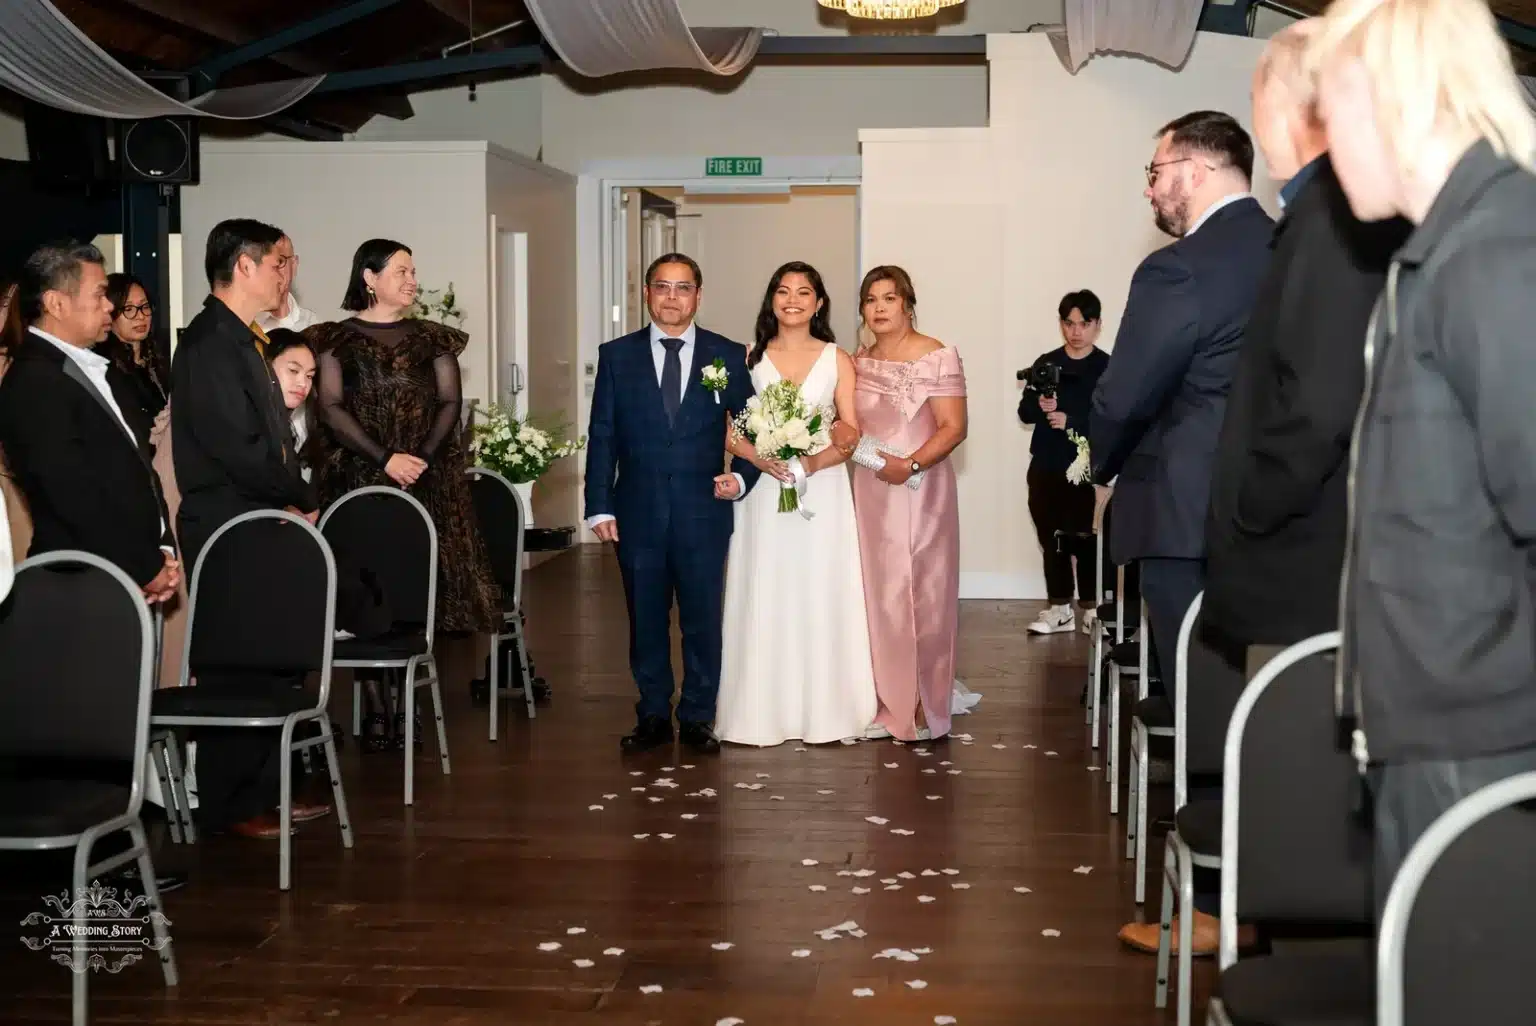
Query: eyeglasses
x=139, y=310
x=681, y=289
x=1155, y=169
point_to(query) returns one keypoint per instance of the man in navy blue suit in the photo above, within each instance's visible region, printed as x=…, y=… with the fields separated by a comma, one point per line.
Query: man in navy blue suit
x=654, y=488
x=1158, y=408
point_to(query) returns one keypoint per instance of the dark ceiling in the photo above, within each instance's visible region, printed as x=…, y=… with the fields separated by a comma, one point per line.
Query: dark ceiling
x=237, y=42
x=355, y=35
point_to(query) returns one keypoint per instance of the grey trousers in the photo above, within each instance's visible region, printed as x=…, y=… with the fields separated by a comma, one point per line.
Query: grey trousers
x=1408, y=797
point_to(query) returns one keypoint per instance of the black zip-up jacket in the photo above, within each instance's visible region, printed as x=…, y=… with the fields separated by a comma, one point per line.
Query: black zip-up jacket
x=1439, y=593
x=1050, y=449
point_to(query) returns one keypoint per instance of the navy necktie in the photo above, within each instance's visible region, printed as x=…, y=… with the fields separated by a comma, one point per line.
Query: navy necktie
x=671, y=378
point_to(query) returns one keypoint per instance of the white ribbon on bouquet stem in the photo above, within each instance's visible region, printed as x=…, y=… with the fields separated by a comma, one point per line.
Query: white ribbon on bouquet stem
x=800, y=483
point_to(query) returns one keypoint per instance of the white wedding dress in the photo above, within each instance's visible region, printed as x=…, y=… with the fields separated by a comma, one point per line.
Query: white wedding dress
x=795, y=664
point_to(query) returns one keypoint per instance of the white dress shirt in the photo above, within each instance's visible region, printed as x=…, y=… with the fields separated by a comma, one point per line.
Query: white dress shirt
x=296, y=319
x=94, y=366
x=659, y=358
x=1225, y=201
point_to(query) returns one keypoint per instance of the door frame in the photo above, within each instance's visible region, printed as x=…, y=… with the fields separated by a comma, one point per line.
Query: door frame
x=600, y=248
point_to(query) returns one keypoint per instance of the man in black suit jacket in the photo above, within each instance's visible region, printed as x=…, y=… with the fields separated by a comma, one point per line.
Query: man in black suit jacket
x=87, y=480
x=1279, y=503
x=234, y=453
x=1158, y=407
x=230, y=432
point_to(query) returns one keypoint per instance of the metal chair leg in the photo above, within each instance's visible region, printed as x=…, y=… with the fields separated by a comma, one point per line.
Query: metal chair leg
x=357, y=705
x=179, y=785
x=338, y=793
x=437, y=710
x=1132, y=778
x=167, y=792
x=520, y=643
x=1114, y=740
x=1186, y=932
x=285, y=809
x=495, y=677
x=1165, y=923
x=1142, y=824
x=156, y=908
x=408, y=701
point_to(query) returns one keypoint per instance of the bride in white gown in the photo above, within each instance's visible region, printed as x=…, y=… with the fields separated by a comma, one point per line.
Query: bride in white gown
x=795, y=659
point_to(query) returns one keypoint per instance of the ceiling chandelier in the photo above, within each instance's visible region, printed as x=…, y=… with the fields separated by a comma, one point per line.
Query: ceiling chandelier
x=889, y=10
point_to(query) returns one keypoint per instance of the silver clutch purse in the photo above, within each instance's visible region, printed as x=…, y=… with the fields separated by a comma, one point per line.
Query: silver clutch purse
x=867, y=454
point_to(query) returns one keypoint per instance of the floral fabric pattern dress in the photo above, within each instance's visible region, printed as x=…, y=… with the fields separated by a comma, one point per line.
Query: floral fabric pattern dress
x=394, y=388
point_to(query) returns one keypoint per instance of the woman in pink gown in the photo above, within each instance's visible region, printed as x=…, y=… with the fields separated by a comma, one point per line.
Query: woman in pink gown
x=910, y=399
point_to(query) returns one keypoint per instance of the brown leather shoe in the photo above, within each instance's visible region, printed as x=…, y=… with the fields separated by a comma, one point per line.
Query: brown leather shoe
x=264, y=827
x=305, y=813
x=1204, y=935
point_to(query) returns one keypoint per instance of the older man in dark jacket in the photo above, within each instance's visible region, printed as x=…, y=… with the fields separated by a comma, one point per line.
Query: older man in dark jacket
x=1275, y=534
x=1437, y=677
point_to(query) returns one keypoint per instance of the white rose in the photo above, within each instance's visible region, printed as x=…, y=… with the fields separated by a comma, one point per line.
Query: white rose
x=796, y=436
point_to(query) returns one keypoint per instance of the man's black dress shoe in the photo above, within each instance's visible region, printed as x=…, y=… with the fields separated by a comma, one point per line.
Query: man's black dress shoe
x=699, y=737
x=164, y=881
x=651, y=733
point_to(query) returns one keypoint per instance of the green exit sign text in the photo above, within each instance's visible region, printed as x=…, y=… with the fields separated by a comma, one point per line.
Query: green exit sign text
x=733, y=166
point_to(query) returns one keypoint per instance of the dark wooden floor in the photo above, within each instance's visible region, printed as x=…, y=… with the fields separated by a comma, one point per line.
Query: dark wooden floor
x=1010, y=876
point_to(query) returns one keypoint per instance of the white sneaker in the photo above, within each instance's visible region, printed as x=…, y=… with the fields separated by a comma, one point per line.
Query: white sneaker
x=1090, y=618
x=1054, y=620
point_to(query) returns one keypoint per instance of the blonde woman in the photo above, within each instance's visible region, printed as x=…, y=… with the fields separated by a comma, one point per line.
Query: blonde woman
x=1426, y=119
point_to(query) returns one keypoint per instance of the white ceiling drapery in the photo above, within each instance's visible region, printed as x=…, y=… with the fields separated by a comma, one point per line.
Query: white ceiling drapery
x=597, y=38
x=1160, y=30
x=45, y=58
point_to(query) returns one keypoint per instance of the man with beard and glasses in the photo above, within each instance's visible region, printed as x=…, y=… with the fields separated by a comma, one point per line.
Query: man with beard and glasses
x=1158, y=408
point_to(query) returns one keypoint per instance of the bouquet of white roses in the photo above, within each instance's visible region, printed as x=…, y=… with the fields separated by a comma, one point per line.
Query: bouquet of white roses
x=1082, y=466
x=780, y=424
x=515, y=449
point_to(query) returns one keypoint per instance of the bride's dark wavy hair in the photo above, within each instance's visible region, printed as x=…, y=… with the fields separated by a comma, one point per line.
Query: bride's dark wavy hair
x=768, y=323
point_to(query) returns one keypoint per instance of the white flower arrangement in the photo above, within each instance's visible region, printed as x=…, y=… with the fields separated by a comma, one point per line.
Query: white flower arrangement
x=715, y=378
x=515, y=448
x=781, y=424
x=429, y=307
x=1082, y=466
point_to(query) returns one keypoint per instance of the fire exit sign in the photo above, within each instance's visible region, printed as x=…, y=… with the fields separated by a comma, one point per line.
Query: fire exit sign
x=733, y=167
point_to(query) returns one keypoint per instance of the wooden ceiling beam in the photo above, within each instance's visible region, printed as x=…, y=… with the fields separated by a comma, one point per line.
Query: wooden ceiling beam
x=205, y=20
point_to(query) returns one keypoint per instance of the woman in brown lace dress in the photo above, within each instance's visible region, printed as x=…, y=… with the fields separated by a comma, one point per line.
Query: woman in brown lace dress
x=390, y=401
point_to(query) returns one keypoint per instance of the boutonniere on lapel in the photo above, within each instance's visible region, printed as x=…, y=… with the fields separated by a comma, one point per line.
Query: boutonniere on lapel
x=715, y=378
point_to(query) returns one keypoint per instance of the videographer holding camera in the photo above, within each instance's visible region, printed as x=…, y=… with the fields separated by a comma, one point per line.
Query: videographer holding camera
x=1057, y=398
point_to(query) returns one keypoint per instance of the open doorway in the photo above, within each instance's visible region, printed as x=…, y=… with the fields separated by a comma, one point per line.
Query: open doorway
x=739, y=236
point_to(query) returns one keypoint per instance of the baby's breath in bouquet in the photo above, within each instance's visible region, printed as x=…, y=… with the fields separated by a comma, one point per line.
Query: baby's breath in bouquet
x=781, y=424
x=515, y=448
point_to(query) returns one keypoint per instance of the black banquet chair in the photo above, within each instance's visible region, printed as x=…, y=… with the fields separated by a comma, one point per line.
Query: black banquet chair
x=499, y=510
x=1455, y=934
x=1295, y=855
x=263, y=601
x=74, y=729
x=390, y=532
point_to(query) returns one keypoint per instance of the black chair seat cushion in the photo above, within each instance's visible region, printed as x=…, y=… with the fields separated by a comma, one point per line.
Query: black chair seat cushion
x=194, y=700
x=1155, y=713
x=1199, y=824
x=1109, y=611
x=395, y=645
x=1126, y=655
x=1302, y=989
x=52, y=808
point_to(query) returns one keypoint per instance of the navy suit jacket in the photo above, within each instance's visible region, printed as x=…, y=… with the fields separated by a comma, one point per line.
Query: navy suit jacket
x=1158, y=408
x=650, y=474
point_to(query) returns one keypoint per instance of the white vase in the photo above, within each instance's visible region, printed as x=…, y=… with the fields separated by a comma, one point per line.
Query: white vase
x=525, y=492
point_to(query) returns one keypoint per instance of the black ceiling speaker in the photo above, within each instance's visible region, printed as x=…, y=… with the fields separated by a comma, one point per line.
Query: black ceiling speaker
x=158, y=150
x=65, y=148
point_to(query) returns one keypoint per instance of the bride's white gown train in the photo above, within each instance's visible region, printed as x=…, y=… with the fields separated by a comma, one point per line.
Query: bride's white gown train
x=795, y=664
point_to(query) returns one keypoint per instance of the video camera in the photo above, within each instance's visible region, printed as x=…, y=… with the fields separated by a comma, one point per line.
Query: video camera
x=1044, y=376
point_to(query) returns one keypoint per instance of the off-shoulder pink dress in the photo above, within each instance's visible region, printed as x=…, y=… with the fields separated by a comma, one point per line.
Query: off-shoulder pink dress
x=909, y=542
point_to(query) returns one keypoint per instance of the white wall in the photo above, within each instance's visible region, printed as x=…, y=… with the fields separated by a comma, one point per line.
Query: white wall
x=330, y=197
x=741, y=240
x=13, y=136
x=528, y=197
x=995, y=224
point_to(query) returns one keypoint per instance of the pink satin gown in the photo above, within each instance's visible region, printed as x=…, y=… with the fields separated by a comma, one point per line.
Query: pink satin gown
x=909, y=542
